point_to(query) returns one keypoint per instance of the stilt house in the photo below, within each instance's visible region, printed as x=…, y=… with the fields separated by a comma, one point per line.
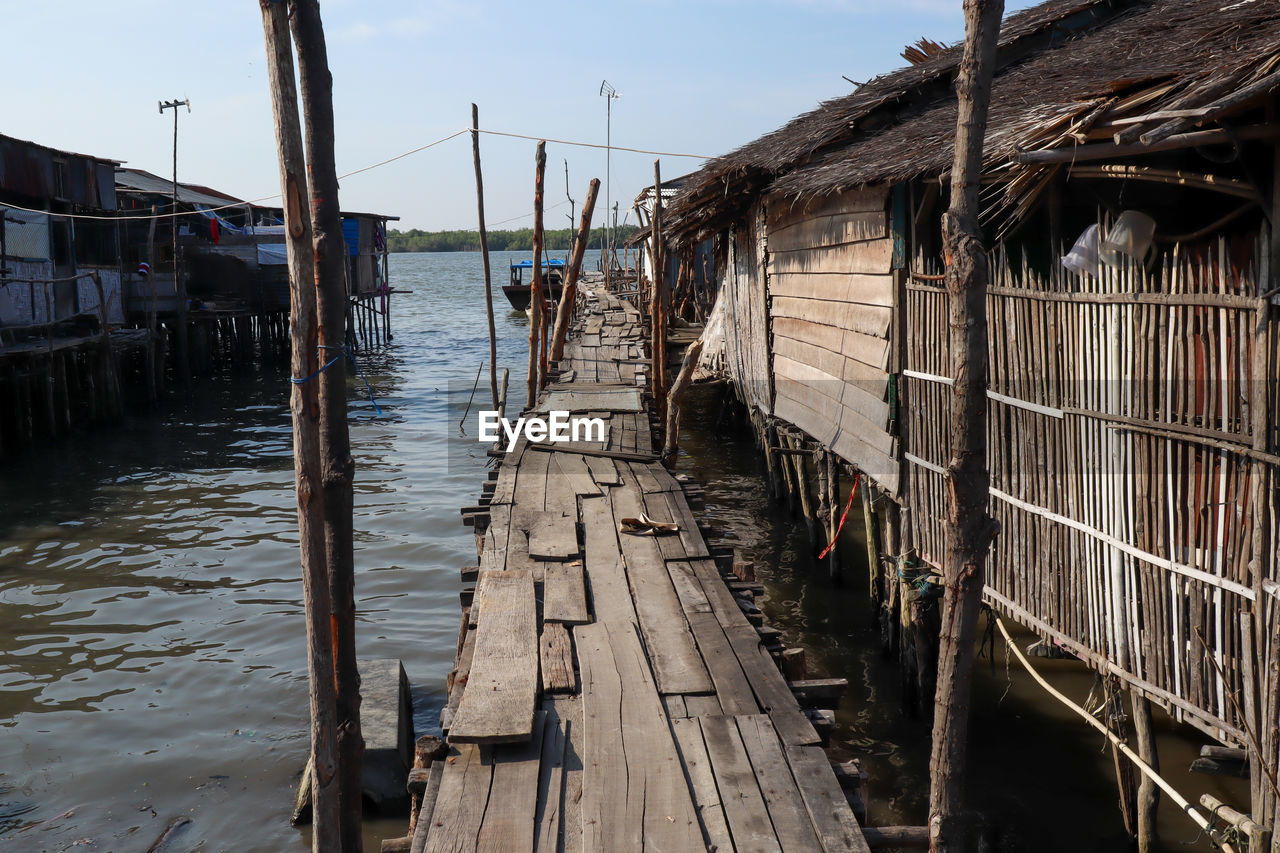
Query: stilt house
x=1131, y=189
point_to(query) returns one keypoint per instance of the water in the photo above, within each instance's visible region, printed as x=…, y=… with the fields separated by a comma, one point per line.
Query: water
x=152, y=662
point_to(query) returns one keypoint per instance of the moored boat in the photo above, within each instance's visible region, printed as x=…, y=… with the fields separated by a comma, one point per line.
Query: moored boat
x=518, y=291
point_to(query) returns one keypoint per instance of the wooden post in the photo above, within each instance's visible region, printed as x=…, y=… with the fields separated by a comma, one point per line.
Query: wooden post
x=535, y=290
x=1148, y=792
x=484, y=254
x=873, y=553
x=335, y=442
x=672, y=441
x=969, y=527
x=833, y=517
x=657, y=339
x=570, y=291
x=304, y=404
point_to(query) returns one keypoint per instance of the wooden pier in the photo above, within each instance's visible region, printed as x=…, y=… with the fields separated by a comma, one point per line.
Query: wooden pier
x=610, y=693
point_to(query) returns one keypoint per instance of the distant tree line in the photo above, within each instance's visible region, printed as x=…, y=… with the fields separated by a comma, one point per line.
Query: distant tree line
x=417, y=240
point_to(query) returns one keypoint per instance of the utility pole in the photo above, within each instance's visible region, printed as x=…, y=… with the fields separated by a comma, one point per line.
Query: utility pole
x=610, y=95
x=969, y=525
x=180, y=290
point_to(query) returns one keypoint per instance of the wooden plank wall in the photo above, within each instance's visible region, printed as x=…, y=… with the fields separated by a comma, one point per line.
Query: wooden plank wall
x=1122, y=459
x=830, y=287
x=746, y=325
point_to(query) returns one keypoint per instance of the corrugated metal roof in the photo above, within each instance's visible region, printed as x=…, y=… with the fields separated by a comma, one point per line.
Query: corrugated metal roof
x=136, y=180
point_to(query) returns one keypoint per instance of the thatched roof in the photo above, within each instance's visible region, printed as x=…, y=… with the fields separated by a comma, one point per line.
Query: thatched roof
x=1066, y=66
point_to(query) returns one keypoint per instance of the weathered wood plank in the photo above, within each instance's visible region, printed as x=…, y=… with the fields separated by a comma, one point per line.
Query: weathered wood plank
x=509, y=817
x=773, y=774
x=829, y=230
x=825, y=801
x=744, y=805
x=851, y=371
x=553, y=536
x=687, y=587
x=833, y=307
x=461, y=801
x=868, y=349
x=564, y=594
x=502, y=687
x=871, y=256
x=603, y=471
x=634, y=795
x=549, y=815
x=677, y=666
x=605, y=574
x=701, y=779
x=556, y=652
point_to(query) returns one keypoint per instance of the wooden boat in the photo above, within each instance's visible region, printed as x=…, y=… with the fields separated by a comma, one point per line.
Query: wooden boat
x=518, y=290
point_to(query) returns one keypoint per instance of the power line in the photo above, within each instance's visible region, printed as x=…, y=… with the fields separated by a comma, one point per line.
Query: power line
x=256, y=201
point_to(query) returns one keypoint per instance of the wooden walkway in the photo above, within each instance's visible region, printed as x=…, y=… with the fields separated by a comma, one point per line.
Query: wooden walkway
x=610, y=694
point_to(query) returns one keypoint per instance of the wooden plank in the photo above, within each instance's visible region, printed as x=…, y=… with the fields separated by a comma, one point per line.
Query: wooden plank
x=804, y=414
x=549, y=815
x=603, y=471
x=503, y=684
x=586, y=449
x=584, y=399
x=677, y=666
x=634, y=796
x=700, y=706
x=830, y=230
x=773, y=774
x=733, y=690
x=851, y=371
x=461, y=801
x=575, y=471
x=868, y=349
x=564, y=593
x=493, y=550
x=768, y=685
x=695, y=547
x=828, y=809
x=702, y=781
x=687, y=587
x=744, y=806
x=605, y=574
x=872, y=256
x=566, y=711
x=784, y=211
x=833, y=310
x=509, y=817
x=553, y=536
x=556, y=653
x=461, y=674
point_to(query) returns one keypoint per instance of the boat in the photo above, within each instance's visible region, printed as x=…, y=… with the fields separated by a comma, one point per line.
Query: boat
x=518, y=291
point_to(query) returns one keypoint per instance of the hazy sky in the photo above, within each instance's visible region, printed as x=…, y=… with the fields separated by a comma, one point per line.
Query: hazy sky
x=694, y=77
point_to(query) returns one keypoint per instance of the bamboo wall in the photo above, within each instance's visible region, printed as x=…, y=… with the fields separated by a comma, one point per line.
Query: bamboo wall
x=746, y=327
x=830, y=287
x=1124, y=463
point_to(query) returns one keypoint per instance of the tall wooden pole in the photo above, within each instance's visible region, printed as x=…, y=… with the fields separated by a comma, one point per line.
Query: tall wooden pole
x=969, y=526
x=535, y=292
x=657, y=332
x=570, y=292
x=304, y=403
x=484, y=253
x=335, y=442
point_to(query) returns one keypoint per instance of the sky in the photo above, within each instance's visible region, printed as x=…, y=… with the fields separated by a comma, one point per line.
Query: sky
x=696, y=77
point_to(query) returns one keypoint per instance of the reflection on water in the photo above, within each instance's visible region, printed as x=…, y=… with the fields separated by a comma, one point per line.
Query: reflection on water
x=152, y=661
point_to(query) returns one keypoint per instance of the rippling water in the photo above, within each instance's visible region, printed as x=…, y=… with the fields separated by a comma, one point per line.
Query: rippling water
x=152, y=656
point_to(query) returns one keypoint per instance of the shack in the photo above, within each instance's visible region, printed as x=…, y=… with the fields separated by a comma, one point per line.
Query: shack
x=60, y=291
x=1132, y=182
x=232, y=292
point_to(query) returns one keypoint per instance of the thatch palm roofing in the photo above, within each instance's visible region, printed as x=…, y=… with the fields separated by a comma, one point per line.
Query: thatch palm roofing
x=1066, y=67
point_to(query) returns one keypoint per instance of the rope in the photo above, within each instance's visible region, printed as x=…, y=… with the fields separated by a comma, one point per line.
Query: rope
x=853, y=491
x=345, y=353
x=1190, y=810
